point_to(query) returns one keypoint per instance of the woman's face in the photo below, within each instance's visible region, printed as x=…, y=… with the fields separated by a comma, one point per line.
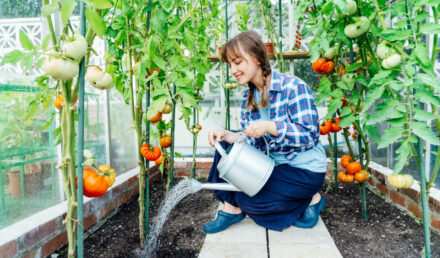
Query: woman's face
x=245, y=68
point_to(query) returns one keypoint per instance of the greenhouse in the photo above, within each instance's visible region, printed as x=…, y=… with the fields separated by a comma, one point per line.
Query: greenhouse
x=221, y=128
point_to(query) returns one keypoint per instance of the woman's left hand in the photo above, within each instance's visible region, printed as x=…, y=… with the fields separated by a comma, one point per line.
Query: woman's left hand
x=256, y=129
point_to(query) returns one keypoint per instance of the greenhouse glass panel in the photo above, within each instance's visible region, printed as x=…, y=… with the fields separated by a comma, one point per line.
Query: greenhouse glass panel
x=29, y=179
x=94, y=121
x=123, y=137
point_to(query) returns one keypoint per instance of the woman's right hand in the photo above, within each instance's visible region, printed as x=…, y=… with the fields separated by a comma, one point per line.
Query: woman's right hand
x=216, y=135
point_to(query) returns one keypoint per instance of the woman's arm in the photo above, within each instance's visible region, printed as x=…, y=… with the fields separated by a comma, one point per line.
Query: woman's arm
x=222, y=135
x=303, y=130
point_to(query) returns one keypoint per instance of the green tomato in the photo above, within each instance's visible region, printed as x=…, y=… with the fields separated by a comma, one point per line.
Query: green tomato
x=391, y=61
x=59, y=68
x=358, y=28
x=331, y=52
x=99, y=79
x=75, y=48
x=348, y=78
x=383, y=51
x=351, y=7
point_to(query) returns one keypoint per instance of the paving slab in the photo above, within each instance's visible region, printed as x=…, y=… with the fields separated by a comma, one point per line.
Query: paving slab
x=296, y=242
x=247, y=239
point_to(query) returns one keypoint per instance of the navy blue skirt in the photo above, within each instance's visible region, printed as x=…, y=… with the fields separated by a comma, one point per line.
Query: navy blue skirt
x=284, y=197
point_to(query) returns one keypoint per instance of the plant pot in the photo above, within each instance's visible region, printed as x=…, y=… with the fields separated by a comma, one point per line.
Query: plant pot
x=32, y=183
x=270, y=48
x=14, y=184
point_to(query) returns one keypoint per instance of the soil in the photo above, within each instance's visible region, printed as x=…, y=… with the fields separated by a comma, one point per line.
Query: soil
x=388, y=232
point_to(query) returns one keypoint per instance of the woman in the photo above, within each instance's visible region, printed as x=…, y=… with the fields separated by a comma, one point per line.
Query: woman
x=281, y=109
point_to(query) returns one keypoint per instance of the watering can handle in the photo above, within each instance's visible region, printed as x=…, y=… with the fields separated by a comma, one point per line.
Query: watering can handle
x=243, y=137
x=220, y=149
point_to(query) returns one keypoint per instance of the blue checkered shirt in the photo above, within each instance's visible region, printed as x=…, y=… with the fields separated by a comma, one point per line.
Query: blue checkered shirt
x=292, y=108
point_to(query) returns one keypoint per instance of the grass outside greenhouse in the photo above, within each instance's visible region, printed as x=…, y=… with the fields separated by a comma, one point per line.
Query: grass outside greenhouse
x=107, y=104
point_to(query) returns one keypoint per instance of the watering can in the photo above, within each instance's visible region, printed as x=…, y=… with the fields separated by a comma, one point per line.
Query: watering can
x=245, y=168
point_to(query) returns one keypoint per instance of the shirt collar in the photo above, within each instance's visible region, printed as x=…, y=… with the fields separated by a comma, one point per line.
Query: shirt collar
x=275, y=82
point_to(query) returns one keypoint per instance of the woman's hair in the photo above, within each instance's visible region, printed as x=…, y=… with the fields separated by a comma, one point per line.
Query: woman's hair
x=250, y=43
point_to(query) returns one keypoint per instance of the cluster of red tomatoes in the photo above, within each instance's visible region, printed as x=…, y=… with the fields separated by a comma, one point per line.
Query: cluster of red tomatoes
x=352, y=171
x=331, y=125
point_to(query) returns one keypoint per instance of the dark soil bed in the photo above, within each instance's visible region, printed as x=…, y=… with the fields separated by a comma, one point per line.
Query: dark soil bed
x=387, y=233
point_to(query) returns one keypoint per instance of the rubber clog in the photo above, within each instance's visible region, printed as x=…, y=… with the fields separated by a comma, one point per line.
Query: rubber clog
x=223, y=221
x=310, y=216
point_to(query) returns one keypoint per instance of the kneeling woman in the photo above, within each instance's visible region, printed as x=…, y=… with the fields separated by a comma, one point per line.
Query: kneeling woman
x=280, y=108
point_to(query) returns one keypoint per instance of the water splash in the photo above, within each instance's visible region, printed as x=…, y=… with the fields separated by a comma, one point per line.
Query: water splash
x=177, y=193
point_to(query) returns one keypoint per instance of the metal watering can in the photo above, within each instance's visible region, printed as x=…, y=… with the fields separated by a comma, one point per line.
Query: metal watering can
x=245, y=168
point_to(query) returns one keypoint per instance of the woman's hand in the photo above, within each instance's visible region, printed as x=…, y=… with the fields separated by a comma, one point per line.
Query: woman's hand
x=216, y=135
x=259, y=128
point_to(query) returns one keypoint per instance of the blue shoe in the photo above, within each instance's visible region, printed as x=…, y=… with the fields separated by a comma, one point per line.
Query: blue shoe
x=310, y=216
x=222, y=221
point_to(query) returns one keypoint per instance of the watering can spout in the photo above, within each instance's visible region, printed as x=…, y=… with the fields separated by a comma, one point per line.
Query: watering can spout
x=196, y=186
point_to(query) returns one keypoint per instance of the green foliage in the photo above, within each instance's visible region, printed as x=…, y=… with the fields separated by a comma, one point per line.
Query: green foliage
x=243, y=11
x=20, y=8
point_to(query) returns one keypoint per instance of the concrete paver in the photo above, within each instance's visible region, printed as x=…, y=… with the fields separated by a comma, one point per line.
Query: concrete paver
x=298, y=242
x=247, y=239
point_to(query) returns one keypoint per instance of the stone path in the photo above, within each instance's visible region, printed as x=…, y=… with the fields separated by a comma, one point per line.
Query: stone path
x=247, y=239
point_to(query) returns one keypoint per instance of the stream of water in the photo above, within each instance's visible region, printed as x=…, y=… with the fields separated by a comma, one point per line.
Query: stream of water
x=177, y=193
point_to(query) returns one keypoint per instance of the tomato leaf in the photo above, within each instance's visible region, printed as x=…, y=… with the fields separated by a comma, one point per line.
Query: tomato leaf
x=348, y=120
x=430, y=80
x=26, y=43
x=31, y=109
x=160, y=62
x=353, y=67
x=101, y=4
x=422, y=115
x=46, y=41
x=159, y=22
x=422, y=57
x=427, y=97
x=12, y=57
x=402, y=157
x=372, y=132
x=95, y=21
x=393, y=35
x=333, y=106
x=167, y=5
x=423, y=131
x=390, y=135
x=188, y=99
x=399, y=121
x=67, y=8
x=430, y=28
x=373, y=95
x=378, y=76
x=155, y=106
x=382, y=111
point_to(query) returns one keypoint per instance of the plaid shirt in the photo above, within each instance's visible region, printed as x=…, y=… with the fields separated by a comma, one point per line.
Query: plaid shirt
x=293, y=110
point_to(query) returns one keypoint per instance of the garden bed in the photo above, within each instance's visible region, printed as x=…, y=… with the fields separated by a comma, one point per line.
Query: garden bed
x=388, y=232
